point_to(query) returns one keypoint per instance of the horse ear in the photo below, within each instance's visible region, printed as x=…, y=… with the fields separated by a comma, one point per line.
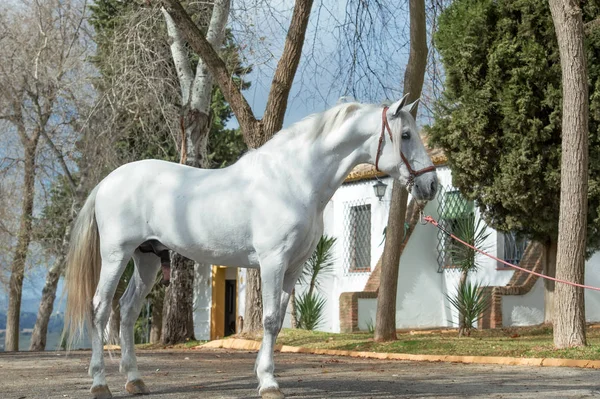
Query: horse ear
x=398, y=105
x=411, y=107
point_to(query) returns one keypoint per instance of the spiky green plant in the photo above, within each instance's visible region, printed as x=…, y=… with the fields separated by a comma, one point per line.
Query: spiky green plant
x=309, y=307
x=466, y=302
x=471, y=302
x=473, y=232
x=319, y=264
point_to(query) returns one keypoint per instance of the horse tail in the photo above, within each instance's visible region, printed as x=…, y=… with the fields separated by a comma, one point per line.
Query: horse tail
x=82, y=271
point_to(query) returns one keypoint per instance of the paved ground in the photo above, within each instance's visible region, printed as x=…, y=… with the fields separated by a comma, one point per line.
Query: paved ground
x=204, y=374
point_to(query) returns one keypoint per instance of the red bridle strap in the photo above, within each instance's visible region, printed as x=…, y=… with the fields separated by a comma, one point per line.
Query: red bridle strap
x=386, y=126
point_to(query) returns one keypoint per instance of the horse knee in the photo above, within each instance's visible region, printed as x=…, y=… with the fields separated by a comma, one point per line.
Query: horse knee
x=271, y=323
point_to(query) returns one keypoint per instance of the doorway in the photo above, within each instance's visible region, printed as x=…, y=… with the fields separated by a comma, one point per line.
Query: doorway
x=230, y=302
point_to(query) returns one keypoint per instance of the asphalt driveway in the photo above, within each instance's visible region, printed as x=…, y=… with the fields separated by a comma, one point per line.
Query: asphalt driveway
x=210, y=373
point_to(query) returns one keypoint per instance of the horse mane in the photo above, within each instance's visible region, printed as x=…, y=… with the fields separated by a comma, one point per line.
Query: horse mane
x=315, y=125
x=322, y=123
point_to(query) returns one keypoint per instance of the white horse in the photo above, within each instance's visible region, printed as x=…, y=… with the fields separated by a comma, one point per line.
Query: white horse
x=265, y=211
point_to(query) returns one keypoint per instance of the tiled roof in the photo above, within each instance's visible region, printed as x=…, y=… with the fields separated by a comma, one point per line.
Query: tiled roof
x=366, y=171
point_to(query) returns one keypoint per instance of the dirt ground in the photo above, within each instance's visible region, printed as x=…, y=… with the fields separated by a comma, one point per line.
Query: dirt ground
x=209, y=373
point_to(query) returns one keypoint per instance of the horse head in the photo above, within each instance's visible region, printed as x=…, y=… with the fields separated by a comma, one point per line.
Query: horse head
x=401, y=153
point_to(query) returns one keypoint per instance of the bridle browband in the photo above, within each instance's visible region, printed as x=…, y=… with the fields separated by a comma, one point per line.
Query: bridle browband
x=412, y=173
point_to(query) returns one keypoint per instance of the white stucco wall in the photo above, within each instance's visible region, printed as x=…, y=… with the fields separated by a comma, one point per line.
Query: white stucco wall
x=524, y=310
x=592, y=298
x=202, y=301
x=528, y=309
x=241, y=293
x=422, y=290
x=367, y=313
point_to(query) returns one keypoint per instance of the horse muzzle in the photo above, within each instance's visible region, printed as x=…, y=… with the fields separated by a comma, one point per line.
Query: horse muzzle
x=425, y=186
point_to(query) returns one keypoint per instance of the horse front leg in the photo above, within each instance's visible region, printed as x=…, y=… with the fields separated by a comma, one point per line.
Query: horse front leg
x=271, y=273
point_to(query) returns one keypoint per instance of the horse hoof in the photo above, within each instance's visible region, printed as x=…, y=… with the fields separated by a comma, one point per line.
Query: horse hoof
x=272, y=393
x=101, y=392
x=137, y=387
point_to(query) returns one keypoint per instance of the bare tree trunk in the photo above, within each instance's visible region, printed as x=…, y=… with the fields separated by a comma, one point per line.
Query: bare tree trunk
x=385, y=319
x=569, y=320
x=40, y=330
x=262, y=132
x=294, y=320
x=11, y=342
x=549, y=285
x=253, y=314
x=385, y=325
x=463, y=329
x=157, y=319
x=196, y=93
x=178, y=301
x=256, y=132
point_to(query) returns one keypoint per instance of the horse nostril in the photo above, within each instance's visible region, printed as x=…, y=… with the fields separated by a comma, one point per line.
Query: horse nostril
x=434, y=186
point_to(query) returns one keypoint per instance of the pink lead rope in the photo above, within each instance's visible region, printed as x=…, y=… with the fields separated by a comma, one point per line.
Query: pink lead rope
x=429, y=219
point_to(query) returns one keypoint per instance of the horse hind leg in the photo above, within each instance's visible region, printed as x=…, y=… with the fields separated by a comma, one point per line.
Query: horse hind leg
x=110, y=274
x=142, y=281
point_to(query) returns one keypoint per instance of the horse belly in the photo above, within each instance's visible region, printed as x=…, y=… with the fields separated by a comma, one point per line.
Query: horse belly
x=225, y=253
x=208, y=234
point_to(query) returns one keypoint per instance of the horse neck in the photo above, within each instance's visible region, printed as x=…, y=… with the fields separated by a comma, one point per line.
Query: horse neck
x=321, y=164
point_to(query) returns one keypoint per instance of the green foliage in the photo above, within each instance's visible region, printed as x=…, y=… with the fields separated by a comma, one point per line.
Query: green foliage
x=141, y=329
x=470, y=302
x=142, y=325
x=320, y=263
x=310, y=305
x=49, y=228
x=371, y=326
x=499, y=120
x=473, y=233
x=309, y=308
x=148, y=122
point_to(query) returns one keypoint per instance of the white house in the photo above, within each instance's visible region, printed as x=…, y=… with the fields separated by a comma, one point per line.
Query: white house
x=357, y=218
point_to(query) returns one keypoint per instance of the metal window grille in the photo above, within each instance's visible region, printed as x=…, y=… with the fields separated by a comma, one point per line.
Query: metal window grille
x=357, y=237
x=514, y=247
x=452, y=207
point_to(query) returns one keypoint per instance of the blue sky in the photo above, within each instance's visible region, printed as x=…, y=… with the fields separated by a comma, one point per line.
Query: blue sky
x=325, y=73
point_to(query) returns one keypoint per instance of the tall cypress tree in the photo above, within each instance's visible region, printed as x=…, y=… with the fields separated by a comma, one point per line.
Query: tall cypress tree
x=499, y=119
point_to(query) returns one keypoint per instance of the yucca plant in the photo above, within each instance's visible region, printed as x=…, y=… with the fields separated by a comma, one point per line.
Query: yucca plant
x=468, y=301
x=307, y=308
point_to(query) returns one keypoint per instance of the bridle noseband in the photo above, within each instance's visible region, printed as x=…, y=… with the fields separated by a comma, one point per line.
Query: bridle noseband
x=412, y=173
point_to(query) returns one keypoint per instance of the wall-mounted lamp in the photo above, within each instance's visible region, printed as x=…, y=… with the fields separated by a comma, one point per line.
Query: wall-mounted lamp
x=379, y=189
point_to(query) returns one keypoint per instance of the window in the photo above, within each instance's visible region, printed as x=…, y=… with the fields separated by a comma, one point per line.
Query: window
x=514, y=247
x=357, y=236
x=456, y=213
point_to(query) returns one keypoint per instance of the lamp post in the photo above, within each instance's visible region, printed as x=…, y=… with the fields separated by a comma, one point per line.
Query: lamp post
x=379, y=189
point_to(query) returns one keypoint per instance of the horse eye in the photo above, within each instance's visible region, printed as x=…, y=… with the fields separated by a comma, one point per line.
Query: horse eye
x=406, y=134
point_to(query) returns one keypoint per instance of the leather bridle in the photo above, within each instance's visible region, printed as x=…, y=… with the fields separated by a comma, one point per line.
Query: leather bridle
x=412, y=173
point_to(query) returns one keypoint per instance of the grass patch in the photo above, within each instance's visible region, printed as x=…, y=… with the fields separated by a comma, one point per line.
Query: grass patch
x=511, y=342
x=184, y=345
